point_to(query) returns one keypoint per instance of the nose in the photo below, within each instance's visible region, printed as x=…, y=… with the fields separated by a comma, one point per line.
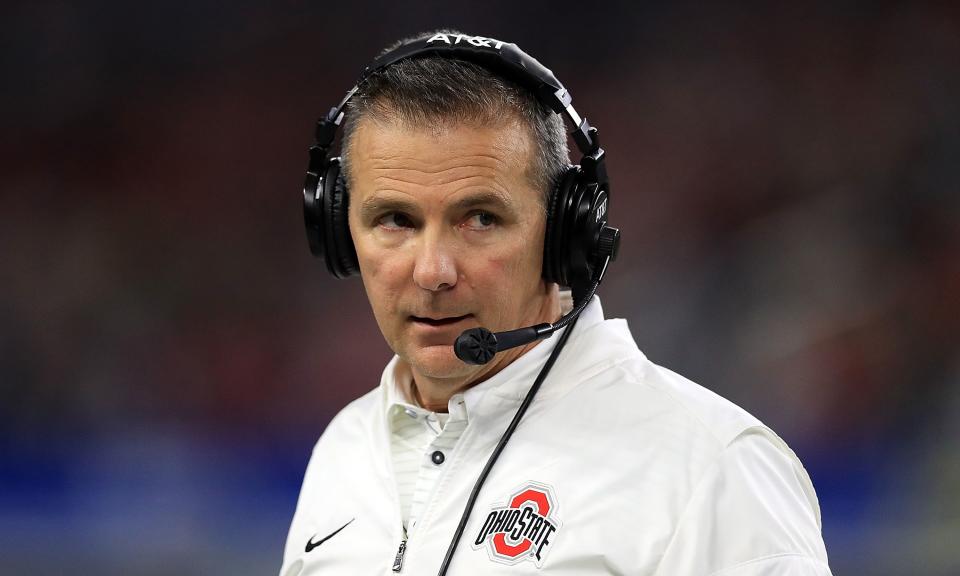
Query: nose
x=435, y=269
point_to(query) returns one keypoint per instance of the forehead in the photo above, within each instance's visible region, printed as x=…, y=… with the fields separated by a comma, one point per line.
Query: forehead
x=385, y=152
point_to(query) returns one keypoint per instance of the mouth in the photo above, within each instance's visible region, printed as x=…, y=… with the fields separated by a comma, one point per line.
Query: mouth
x=441, y=321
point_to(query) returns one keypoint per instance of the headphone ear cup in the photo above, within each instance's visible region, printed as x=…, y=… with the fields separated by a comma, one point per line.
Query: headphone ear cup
x=554, y=266
x=313, y=202
x=339, y=252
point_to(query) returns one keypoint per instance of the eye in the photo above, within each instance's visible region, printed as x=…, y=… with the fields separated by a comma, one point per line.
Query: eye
x=395, y=221
x=481, y=220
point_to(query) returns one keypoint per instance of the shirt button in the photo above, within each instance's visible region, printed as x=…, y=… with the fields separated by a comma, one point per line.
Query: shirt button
x=437, y=457
x=410, y=413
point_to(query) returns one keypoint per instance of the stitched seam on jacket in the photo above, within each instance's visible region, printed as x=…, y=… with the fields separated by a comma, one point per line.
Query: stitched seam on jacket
x=766, y=558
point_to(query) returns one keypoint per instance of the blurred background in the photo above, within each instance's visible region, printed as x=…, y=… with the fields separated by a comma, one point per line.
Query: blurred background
x=785, y=178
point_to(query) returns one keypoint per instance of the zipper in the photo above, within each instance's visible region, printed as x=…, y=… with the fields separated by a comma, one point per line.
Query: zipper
x=398, y=559
x=392, y=490
x=402, y=549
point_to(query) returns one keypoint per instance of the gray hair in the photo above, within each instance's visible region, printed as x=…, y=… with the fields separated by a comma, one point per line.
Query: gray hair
x=428, y=90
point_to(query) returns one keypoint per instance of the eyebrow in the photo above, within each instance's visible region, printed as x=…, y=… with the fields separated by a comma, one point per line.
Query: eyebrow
x=375, y=205
x=378, y=204
x=484, y=198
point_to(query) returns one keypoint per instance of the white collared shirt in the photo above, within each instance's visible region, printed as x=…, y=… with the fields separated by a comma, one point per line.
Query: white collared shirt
x=421, y=440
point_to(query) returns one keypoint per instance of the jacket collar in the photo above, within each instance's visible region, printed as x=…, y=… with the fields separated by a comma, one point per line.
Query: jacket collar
x=581, y=355
x=596, y=344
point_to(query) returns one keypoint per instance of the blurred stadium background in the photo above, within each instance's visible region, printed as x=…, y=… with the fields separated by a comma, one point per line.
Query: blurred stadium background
x=785, y=176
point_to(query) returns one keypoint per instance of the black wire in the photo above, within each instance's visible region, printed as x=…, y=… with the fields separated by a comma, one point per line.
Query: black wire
x=503, y=442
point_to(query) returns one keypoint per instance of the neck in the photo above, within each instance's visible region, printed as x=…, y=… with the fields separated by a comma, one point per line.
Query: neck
x=434, y=393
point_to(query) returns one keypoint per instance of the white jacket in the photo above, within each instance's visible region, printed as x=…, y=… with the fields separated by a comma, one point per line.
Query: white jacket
x=620, y=466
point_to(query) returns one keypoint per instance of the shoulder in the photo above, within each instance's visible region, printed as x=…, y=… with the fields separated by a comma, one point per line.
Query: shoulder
x=744, y=445
x=701, y=409
x=329, y=469
x=754, y=510
x=347, y=433
x=734, y=494
x=643, y=408
x=605, y=367
x=352, y=424
x=725, y=467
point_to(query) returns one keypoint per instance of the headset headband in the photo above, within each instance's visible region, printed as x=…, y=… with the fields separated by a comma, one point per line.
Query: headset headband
x=502, y=58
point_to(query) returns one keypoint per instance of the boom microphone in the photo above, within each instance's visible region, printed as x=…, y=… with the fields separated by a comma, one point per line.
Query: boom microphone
x=479, y=345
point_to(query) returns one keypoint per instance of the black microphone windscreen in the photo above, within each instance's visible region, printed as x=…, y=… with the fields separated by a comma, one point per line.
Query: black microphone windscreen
x=476, y=346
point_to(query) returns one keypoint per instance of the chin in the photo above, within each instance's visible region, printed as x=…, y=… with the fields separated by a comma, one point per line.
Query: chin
x=438, y=362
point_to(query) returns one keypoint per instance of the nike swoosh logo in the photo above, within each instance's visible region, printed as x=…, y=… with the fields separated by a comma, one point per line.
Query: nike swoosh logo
x=311, y=544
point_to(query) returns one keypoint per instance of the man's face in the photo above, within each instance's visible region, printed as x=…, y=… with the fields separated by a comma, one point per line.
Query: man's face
x=449, y=236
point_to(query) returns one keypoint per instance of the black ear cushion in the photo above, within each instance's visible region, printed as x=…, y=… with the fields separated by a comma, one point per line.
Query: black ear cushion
x=313, y=210
x=553, y=251
x=338, y=252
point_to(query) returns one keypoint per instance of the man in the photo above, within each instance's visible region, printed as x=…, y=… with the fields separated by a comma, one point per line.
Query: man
x=618, y=466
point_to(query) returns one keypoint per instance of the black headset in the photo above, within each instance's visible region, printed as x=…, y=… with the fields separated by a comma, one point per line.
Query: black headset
x=578, y=243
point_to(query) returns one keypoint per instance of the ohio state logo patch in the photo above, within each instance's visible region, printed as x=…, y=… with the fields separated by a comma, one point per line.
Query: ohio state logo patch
x=523, y=528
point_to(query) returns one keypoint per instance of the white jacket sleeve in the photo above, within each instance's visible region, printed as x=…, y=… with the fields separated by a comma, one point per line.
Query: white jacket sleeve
x=754, y=513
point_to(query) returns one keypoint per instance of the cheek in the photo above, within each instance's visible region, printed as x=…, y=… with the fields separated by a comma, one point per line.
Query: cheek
x=508, y=274
x=526, y=261
x=384, y=276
